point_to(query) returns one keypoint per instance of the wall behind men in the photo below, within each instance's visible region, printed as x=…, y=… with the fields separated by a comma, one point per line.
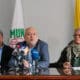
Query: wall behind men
x=52, y=18
x=6, y=13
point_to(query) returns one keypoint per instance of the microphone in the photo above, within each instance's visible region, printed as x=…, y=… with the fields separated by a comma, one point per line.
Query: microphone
x=19, y=54
x=23, y=55
x=26, y=50
x=35, y=54
x=22, y=52
x=15, y=59
x=16, y=50
x=35, y=58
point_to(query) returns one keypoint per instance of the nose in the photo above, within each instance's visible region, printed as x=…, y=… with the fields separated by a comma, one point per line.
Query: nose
x=31, y=36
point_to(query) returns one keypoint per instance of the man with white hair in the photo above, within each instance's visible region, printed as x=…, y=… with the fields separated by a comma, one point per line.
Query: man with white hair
x=35, y=45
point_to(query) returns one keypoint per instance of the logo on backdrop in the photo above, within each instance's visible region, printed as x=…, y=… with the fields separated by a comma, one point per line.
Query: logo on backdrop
x=16, y=35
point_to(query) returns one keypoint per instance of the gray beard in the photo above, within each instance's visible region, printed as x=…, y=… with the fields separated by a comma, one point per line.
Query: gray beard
x=32, y=44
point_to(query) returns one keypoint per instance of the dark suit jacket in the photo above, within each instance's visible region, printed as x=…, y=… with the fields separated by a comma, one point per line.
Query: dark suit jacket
x=6, y=55
x=62, y=59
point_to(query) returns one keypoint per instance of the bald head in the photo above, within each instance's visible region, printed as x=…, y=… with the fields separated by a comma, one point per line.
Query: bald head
x=30, y=29
x=31, y=36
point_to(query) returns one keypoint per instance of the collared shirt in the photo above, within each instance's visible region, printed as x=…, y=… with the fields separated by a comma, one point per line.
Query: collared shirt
x=0, y=53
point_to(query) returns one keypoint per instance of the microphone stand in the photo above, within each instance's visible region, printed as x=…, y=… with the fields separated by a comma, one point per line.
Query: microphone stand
x=35, y=68
x=16, y=67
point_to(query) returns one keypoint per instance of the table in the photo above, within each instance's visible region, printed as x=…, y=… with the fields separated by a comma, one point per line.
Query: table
x=55, y=74
x=54, y=77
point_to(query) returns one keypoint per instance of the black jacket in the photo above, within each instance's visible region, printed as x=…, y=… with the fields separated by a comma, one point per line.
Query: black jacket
x=43, y=62
x=6, y=55
x=62, y=59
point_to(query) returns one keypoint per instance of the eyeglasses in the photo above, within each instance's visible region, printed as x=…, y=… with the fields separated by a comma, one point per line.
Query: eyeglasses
x=76, y=35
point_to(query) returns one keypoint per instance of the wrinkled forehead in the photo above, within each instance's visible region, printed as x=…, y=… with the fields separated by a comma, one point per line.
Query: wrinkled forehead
x=77, y=31
x=30, y=30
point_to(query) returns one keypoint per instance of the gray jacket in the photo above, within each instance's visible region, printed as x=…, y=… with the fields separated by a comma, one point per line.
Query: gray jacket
x=43, y=62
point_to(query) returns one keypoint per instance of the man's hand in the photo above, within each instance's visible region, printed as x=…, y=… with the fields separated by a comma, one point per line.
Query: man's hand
x=26, y=63
x=67, y=71
x=67, y=65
